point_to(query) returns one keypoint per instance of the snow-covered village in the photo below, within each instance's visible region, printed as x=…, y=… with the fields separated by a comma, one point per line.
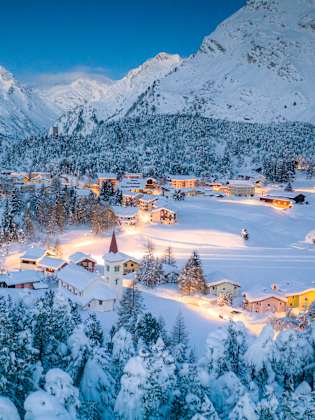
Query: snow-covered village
x=157, y=223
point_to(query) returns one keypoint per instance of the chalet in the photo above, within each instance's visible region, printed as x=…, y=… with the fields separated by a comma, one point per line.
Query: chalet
x=224, y=286
x=84, y=260
x=130, y=198
x=183, y=181
x=131, y=265
x=107, y=177
x=50, y=265
x=136, y=185
x=146, y=202
x=163, y=215
x=301, y=300
x=126, y=216
x=24, y=279
x=241, y=188
x=278, y=202
x=133, y=175
x=88, y=289
x=151, y=184
x=265, y=303
x=32, y=257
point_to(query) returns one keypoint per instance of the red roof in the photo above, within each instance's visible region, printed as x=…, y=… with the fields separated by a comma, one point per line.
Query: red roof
x=113, y=244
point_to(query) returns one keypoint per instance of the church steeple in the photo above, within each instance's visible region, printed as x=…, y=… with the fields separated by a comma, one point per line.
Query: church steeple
x=113, y=244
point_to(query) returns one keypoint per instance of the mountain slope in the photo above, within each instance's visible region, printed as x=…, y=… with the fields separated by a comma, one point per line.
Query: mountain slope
x=22, y=112
x=112, y=101
x=258, y=65
x=65, y=97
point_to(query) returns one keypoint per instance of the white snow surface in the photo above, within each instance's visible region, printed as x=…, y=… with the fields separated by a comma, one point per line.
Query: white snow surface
x=22, y=111
x=8, y=410
x=258, y=65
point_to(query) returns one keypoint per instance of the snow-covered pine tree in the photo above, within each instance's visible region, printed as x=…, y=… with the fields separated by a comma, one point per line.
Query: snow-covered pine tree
x=179, y=339
x=98, y=384
x=147, y=329
x=244, y=409
x=160, y=383
x=168, y=257
x=191, y=279
x=106, y=191
x=130, y=308
x=129, y=402
x=235, y=346
x=93, y=330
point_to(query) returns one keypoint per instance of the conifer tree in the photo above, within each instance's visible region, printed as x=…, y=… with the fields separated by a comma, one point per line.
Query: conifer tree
x=130, y=309
x=191, y=278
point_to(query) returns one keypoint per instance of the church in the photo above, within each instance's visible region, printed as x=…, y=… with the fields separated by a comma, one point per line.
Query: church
x=98, y=290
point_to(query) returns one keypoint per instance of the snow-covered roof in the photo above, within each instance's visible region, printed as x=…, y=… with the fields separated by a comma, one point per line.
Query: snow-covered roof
x=98, y=291
x=164, y=208
x=40, y=285
x=51, y=262
x=148, y=197
x=113, y=257
x=107, y=175
x=131, y=194
x=33, y=254
x=125, y=211
x=261, y=298
x=77, y=257
x=14, y=278
x=223, y=281
x=77, y=276
x=278, y=197
x=301, y=293
x=182, y=177
x=241, y=183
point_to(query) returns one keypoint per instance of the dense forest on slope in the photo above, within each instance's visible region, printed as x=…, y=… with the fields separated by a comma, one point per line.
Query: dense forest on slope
x=163, y=144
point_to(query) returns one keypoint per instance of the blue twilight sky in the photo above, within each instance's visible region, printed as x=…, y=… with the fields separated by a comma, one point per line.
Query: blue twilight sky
x=48, y=41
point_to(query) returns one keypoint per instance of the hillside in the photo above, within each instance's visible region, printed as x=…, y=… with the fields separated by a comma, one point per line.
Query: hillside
x=22, y=111
x=167, y=144
x=257, y=66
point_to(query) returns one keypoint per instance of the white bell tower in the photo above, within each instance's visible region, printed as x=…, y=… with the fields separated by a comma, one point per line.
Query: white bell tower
x=114, y=267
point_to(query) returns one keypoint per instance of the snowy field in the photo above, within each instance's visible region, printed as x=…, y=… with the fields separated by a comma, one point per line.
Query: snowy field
x=276, y=252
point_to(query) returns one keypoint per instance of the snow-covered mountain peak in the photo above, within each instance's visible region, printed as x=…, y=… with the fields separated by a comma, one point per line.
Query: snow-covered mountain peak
x=258, y=65
x=157, y=66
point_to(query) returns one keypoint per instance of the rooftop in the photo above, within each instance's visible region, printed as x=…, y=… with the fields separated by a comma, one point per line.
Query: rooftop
x=33, y=253
x=77, y=257
x=241, y=183
x=20, y=277
x=125, y=211
x=77, y=276
x=51, y=262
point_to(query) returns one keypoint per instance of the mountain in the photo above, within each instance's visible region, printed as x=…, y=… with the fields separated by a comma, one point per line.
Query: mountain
x=257, y=66
x=22, y=111
x=111, y=101
x=67, y=96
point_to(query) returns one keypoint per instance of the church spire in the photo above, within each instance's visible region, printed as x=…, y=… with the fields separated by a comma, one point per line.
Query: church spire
x=113, y=244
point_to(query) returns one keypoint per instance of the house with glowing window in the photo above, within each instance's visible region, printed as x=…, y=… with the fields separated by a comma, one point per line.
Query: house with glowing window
x=107, y=177
x=240, y=188
x=84, y=260
x=163, y=215
x=301, y=300
x=265, y=303
x=179, y=182
x=146, y=202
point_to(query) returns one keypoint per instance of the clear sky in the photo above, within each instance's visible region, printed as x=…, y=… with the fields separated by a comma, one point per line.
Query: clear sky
x=48, y=40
